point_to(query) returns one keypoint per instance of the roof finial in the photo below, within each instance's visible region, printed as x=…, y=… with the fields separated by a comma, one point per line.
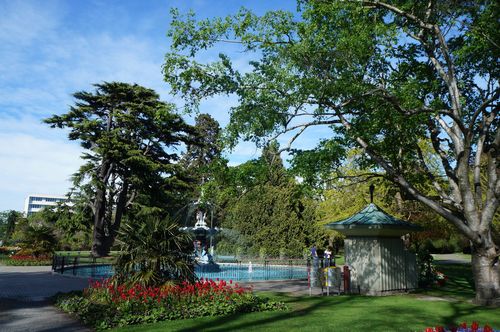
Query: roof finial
x=372, y=188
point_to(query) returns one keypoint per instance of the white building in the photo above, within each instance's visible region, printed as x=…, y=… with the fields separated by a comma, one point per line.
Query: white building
x=35, y=203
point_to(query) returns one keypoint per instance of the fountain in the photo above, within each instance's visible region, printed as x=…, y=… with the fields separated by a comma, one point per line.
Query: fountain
x=203, y=246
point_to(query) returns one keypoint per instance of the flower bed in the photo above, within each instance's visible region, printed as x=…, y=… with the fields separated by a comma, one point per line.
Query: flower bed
x=105, y=304
x=474, y=327
x=26, y=260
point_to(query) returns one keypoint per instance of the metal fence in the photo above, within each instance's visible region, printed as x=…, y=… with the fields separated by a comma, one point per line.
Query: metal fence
x=72, y=264
x=249, y=269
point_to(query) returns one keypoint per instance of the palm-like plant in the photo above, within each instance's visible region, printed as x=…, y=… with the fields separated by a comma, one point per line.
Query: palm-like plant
x=154, y=251
x=35, y=238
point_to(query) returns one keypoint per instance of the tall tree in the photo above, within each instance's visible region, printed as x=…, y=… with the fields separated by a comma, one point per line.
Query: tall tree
x=383, y=76
x=8, y=220
x=129, y=136
x=266, y=210
x=199, y=156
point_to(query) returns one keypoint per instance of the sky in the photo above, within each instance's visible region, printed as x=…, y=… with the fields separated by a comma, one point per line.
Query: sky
x=51, y=49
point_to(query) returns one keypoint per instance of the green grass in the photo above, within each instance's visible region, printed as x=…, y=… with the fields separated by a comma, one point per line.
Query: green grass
x=340, y=313
x=355, y=313
x=85, y=257
x=460, y=284
x=339, y=260
x=466, y=257
x=81, y=253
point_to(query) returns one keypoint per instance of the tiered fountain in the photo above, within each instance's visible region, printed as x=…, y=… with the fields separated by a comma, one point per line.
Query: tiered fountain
x=203, y=246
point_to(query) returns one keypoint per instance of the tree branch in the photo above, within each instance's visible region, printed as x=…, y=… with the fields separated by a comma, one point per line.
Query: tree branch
x=399, y=12
x=450, y=173
x=302, y=128
x=432, y=177
x=398, y=178
x=483, y=107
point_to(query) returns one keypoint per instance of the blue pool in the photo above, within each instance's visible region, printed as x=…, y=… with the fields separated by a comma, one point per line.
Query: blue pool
x=228, y=271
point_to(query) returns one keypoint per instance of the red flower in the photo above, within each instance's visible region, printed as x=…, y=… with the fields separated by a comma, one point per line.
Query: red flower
x=487, y=328
x=474, y=326
x=429, y=329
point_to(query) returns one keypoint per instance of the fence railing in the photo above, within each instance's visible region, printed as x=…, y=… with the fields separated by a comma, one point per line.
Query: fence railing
x=249, y=269
x=70, y=263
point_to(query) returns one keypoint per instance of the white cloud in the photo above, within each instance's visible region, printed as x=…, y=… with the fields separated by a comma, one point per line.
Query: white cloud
x=47, y=54
x=22, y=22
x=34, y=165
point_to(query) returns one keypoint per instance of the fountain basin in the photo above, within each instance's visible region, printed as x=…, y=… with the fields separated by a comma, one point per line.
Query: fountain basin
x=227, y=271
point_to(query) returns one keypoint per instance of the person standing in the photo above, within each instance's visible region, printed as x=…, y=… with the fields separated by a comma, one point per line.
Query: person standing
x=328, y=256
x=314, y=252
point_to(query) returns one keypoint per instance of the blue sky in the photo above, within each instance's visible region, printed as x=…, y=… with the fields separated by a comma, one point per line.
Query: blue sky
x=51, y=49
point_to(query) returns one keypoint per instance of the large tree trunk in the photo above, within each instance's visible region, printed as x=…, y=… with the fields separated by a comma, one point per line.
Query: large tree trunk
x=486, y=272
x=105, y=232
x=100, y=245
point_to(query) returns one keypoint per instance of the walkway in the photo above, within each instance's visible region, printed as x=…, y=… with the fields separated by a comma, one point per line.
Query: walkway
x=291, y=287
x=24, y=305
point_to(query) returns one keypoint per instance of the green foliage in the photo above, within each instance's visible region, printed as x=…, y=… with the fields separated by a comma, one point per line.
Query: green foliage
x=154, y=250
x=271, y=219
x=15, y=256
x=265, y=211
x=391, y=78
x=355, y=313
x=386, y=77
x=129, y=136
x=8, y=220
x=205, y=149
x=31, y=261
x=454, y=244
x=71, y=223
x=315, y=166
x=35, y=236
x=107, y=305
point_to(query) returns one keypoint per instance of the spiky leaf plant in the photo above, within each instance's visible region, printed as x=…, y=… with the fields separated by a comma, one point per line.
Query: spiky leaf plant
x=154, y=251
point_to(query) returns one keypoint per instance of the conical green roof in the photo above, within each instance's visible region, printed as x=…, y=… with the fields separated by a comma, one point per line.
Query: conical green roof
x=372, y=220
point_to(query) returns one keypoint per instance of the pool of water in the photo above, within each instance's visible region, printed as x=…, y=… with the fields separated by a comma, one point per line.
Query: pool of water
x=228, y=271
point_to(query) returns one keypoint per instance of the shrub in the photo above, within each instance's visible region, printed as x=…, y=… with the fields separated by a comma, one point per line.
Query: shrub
x=456, y=243
x=26, y=260
x=38, y=238
x=443, y=246
x=429, y=275
x=107, y=304
x=154, y=251
x=8, y=250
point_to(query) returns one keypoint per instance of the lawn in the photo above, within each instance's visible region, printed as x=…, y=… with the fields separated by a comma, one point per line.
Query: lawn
x=355, y=313
x=82, y=253
x=459, y=255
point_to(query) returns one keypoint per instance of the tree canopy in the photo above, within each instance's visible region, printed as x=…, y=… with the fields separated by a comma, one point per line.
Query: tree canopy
x=8, y=221
x=262, y=210
x=129, y=137
x=385, y=77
